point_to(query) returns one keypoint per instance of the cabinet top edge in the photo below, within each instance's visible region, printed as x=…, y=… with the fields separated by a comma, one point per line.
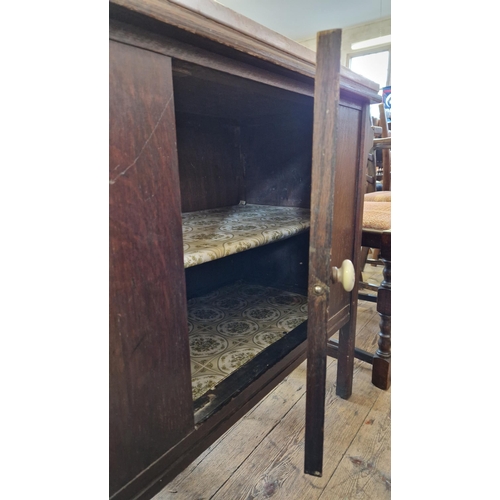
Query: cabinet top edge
x=217, y=23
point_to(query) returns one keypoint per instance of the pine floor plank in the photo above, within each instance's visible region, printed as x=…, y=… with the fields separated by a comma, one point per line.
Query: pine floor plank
x=364, y=472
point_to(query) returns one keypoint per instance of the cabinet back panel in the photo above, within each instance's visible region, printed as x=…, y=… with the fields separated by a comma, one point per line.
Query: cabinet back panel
x=210, y=169
x=283, y=264
x=209, y=276
x=277, y=152
x=150, y=395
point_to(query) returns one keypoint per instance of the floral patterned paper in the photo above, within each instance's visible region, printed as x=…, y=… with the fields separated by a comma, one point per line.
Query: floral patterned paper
x=219, y=232
x=230, y=326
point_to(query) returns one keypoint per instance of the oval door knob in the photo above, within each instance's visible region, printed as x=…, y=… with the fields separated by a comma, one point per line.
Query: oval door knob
x=345, y=275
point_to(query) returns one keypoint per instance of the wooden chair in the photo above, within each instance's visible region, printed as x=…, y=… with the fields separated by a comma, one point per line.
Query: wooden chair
x=377, y=236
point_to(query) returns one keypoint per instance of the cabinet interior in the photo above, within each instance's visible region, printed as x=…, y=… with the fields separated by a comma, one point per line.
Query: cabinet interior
x=244, y=150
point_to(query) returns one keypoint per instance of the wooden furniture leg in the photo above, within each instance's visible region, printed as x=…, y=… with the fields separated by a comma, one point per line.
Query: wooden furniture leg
x=381, y=373
x=346, y=355
x=381, y=360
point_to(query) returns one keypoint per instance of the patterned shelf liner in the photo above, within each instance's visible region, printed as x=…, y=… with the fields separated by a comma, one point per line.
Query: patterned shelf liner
x=219, y=232
x=231, y=325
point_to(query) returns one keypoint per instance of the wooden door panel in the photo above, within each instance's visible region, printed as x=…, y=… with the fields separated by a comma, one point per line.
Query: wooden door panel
x=150, y=387
x=344, y=202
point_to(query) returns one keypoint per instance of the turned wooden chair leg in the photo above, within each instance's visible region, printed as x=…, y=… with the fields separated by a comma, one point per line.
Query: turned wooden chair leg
x=381, y=373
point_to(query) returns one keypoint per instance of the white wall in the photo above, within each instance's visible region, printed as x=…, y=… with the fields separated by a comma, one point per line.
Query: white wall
x=355, y=34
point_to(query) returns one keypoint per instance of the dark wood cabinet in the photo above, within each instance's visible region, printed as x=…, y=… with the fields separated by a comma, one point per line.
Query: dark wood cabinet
x=211, y=135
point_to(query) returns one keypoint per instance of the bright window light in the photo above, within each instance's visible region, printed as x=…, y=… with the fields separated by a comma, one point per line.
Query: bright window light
x=373, y=66
x=381, y=40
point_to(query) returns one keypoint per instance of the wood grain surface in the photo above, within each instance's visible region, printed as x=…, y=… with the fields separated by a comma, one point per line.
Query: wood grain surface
x=150, y=401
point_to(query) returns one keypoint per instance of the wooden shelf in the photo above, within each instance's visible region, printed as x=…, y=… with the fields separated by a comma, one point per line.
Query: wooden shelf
x=212, y=234
x=231, y=325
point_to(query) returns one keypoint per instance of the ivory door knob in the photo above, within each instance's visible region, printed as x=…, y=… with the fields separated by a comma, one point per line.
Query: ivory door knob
x=345, y=275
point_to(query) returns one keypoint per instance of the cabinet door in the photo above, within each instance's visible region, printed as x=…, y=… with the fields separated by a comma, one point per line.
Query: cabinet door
x=150, y=401
x=339, y=132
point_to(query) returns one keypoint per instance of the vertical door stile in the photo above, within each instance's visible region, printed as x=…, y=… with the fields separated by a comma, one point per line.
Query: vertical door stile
x=326, y=105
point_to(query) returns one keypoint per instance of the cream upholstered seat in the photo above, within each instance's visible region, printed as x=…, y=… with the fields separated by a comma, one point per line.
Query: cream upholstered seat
x=377, y=215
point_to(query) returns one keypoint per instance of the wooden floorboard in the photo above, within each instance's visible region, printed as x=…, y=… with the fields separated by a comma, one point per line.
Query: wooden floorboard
x=262, y=455
x=365, y=469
